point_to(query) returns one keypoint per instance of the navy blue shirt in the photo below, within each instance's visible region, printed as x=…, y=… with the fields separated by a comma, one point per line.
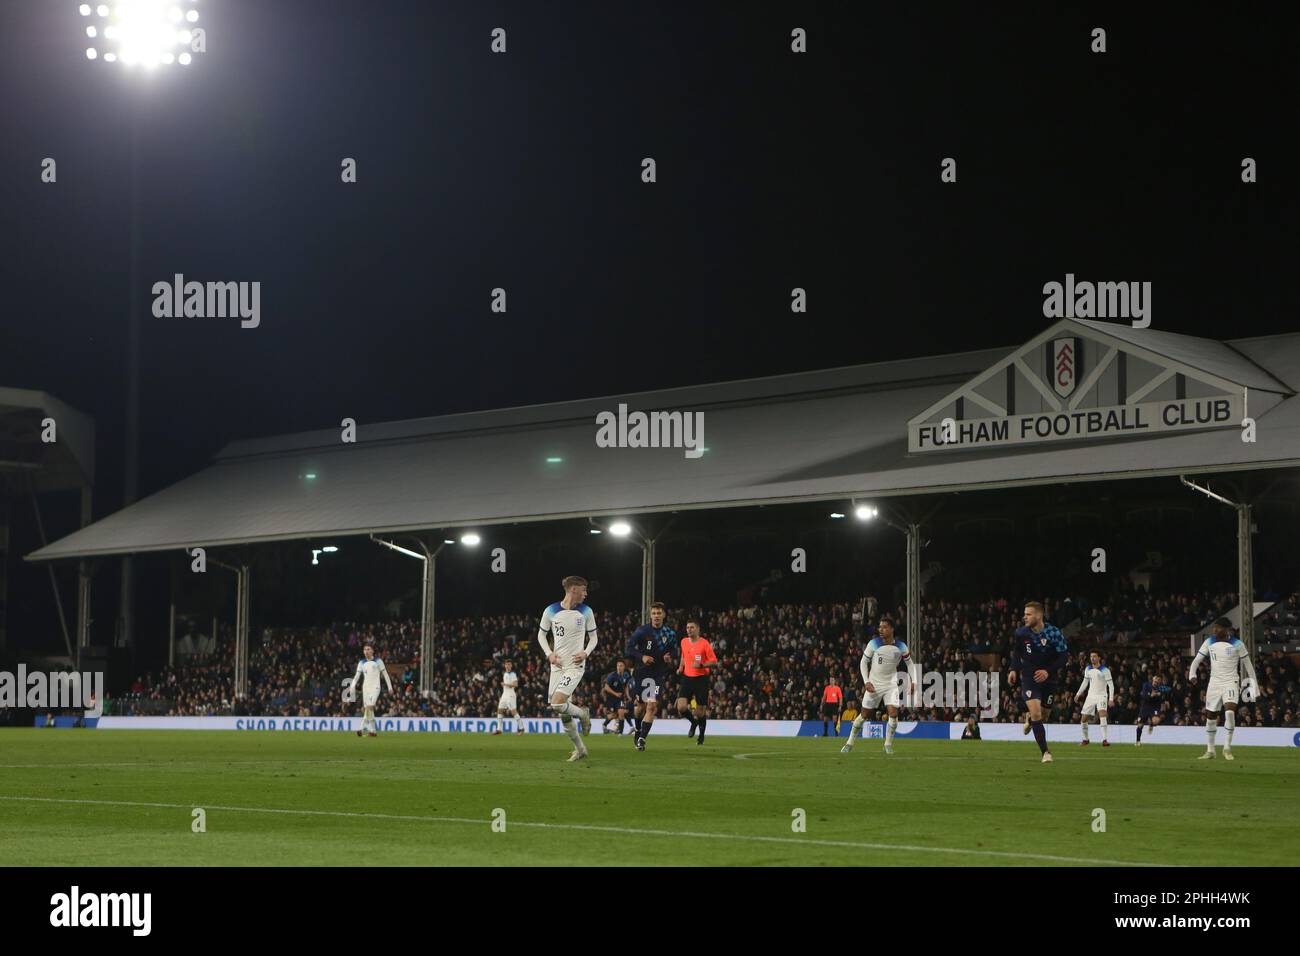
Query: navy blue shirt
x=1153, y=695
x=654, y=641
x=1042, y=650
x=618, y=683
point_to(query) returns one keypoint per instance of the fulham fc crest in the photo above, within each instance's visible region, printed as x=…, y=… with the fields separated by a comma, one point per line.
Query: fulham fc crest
x=1065, y=358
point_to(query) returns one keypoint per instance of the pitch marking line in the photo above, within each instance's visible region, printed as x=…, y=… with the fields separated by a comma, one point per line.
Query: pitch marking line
x=634, y=831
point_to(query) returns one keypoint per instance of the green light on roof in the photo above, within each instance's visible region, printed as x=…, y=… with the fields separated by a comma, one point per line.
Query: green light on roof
x=554, y=460
x=310, y=475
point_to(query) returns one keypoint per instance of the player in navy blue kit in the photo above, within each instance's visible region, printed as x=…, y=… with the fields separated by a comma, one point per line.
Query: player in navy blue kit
x=1150, y=698
x=1038, y=651
x=650, y=647
x=614, y=692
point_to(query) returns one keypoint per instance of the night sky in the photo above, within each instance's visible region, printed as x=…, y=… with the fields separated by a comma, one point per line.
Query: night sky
x=523, y=171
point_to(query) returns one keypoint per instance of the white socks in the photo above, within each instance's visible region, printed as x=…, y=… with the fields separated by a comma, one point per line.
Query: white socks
x=571, y=729
x=858, y=721
x=1211, y=725
x=889, y=731
x=368, y=720
x=1084, y=725
x=1105, y=730
x=1230, y=723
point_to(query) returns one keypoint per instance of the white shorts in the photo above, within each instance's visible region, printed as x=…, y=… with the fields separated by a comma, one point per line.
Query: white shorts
x=565, y=680
x=1091, y=705
x=370, y=697
x=507, y=701
x=1218, y=693
x=889, y=696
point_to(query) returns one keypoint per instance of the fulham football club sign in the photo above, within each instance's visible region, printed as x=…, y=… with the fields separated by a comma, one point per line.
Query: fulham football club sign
x=1065, y=366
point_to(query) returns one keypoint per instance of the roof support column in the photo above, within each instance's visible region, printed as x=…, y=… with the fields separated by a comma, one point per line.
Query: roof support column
x=83, y=580
x=1246, y=577
x=647, y=576
x=1245, y=562
x=427, y=593
x=914, y=591
x=83, y=604
x=243, y=598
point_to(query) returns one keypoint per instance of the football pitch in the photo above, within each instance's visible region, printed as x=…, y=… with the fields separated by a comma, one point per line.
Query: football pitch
x=127, y=798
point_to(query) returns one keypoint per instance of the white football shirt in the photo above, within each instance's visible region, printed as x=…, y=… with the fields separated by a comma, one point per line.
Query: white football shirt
x=568, y=630
x=1098, y=682
x=1224, y=658
x=880, y=662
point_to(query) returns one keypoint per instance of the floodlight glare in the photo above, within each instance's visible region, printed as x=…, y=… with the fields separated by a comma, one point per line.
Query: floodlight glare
x=110, y=57
x=145, y=31
x=836, y=514
x=620, y=528
x=90, y=53
x=329, y=549
x=864, y=512
x=85, y=9
x=470, y=539
x=90, y=32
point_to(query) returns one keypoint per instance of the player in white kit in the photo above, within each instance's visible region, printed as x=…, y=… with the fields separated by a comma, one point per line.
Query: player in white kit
x=1228, y=657
x=1101, y=694
x=568, y=624
x=369, y=671
x=879, y=667
x=508, y=706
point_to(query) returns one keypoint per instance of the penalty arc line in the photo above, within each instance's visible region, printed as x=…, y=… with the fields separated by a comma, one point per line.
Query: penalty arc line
x=596, y=828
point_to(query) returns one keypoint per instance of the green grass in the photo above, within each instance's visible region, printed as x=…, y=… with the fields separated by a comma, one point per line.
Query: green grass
x=428, y=799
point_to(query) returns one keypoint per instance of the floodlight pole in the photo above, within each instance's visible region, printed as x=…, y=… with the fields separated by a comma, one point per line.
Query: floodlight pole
x=428, y=584
x=1245, y=561
x=126, y=636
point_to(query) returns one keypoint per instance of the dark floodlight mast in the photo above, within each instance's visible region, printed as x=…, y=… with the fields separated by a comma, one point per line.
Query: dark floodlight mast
x=143, y=35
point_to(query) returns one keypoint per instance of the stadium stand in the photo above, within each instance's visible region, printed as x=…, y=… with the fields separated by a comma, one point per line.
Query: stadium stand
x=776, y=659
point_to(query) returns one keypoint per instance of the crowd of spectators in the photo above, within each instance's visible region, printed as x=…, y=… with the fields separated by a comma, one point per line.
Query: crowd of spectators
x=776, y=660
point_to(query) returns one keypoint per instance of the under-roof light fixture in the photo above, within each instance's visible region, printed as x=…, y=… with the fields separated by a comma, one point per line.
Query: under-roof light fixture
x=594, y=531
x=865, y=512
x=329, y=549
x=554, y=459
x=620, y=529
x=310, y=476
x=836, y=514
x=470, y=539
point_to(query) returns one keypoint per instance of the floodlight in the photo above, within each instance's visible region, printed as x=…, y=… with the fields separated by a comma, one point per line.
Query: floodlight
x=147, y=32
